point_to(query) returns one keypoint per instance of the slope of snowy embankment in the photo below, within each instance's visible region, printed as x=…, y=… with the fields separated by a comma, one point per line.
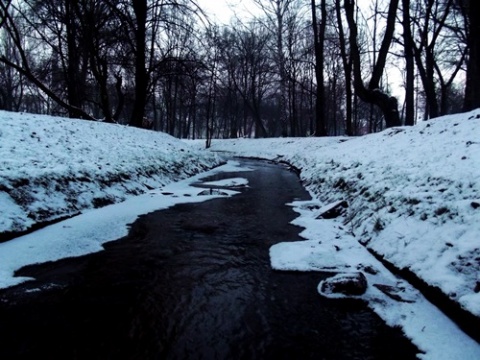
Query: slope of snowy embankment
x=53, y=167
x=413, y=194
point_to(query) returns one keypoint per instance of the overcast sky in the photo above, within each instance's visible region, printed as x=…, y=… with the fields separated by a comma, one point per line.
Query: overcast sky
x=223, y=10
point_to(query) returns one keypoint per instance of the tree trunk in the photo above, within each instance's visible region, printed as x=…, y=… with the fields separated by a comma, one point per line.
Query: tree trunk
x=141, y=76
x=73, y=66
x=409, y=66
x=431, y=88
x=373, y=95
x=319, y=35
x=293, y=108
x=120, y=97
x=282, y=72
x=347, y=66
x=3, y=11
x=472, y=89
x=24, y=68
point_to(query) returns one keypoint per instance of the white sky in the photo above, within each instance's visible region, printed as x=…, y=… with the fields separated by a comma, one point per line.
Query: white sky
x=223, y=10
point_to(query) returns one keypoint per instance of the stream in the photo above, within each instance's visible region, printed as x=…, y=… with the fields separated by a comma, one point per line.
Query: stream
x=194, y=282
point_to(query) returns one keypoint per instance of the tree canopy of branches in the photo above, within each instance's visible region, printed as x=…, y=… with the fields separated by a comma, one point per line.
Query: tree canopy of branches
x=295, y=68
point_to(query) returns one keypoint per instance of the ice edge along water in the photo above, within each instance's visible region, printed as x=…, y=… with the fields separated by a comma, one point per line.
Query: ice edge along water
x=85, y=233
x=330, y=248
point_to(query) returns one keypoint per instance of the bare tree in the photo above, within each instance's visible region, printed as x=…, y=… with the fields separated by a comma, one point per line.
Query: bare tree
x=17, y=23
x=409, y=65
x=98, y=29
x=143, y=23
x=347, y=68
x=439, y=45
x=299, y=59
x=276, y=12
x=372, y=93
x=472, y=89
x=319, y=43
x=12, y=84
x=3, y=11
x=244, y=51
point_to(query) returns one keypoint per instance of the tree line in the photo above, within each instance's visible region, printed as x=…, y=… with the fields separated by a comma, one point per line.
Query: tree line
x=296, y=68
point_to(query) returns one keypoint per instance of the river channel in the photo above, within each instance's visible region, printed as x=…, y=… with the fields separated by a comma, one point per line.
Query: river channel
x=194, y=282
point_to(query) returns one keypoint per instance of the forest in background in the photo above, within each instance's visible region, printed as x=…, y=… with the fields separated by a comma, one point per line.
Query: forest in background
x=298, y=68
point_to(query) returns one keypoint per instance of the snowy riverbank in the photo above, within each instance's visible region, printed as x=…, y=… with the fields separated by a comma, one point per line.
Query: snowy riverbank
x=413, y=194
x=52, y=167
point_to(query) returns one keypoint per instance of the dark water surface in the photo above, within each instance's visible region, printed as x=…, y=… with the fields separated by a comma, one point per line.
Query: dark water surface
x=194, y=282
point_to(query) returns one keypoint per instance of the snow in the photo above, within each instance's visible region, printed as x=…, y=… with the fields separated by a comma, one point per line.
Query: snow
x=232, y=182
x=414, y=197
x=331, y=249
x=53, y=167
x=85, y=234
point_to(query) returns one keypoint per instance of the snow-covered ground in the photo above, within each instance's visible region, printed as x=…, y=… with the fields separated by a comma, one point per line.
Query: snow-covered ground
x=53, y=167
x=413, y=196
x=85, y=233
x=331, y=248
x=414, y=199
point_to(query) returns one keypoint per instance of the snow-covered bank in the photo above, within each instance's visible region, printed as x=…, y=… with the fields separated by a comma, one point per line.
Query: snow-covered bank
x=331, y=249
x=87, y=232
x=53, y=167
x=413, y=194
